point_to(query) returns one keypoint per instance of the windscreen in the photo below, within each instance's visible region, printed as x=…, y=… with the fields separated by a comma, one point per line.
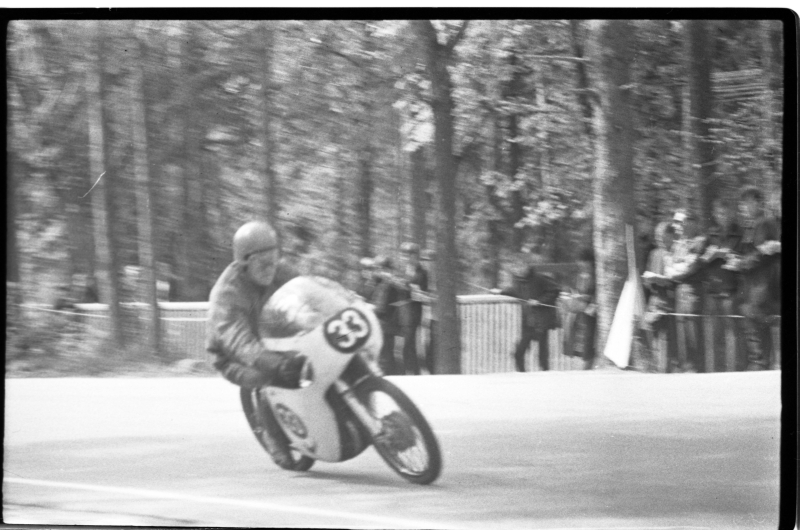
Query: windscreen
x=301, y=305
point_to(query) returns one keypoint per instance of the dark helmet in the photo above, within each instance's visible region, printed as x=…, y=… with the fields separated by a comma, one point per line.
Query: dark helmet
x=252, y=237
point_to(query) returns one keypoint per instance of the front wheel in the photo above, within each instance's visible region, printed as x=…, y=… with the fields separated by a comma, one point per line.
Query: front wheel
x=262, y=422
x=405, y=441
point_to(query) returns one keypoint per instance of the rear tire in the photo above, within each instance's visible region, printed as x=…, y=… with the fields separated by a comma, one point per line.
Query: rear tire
x=407, y=442
x=253, y=407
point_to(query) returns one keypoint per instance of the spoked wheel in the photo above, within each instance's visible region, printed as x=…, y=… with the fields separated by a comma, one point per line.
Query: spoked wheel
x=406, y=441
x=258, y=417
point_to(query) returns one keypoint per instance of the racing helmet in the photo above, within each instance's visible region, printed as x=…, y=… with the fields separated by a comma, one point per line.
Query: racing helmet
x=252, y=237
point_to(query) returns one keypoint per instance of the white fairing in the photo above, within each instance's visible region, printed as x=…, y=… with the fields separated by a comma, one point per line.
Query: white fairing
x=329, y=324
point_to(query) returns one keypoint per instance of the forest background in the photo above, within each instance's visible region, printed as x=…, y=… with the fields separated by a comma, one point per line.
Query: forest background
x=147, y=143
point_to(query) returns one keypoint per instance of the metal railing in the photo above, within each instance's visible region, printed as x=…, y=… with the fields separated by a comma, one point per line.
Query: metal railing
x=490, y=329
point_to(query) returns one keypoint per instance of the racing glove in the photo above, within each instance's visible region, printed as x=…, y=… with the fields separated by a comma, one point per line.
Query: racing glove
x=288, y=373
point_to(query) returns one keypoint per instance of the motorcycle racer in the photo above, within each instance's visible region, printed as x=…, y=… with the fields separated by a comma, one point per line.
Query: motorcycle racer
x=235, y=305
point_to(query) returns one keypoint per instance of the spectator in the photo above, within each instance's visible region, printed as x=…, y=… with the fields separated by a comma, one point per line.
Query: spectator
x=684, y=269
x=368, y=279
x=760, y=289
x=539, y=293
x=660, y=331
x=644, y=243
x=433, y=318
x=412, y=282
x=384, y=298
x=720, y=283
x=581, y=305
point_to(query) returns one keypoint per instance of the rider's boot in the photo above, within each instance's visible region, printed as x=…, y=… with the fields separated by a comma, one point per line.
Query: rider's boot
x=275, y=440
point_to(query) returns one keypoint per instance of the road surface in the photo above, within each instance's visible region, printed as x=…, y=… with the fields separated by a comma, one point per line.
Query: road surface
x=545, y=450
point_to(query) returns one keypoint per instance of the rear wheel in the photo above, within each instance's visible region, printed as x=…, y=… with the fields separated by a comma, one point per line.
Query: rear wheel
x=262, y=422
x=406, y=442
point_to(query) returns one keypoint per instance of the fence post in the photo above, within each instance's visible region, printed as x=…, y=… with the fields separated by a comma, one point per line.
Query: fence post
x=662, y=345
x=709, y=332
x=731, y=346
x=775, y=329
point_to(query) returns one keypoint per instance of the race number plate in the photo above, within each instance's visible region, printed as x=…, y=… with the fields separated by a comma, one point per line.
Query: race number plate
x=291, y=420
x=347, y=331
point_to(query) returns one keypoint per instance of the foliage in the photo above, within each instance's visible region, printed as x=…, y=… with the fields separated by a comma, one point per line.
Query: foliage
x=349, y=102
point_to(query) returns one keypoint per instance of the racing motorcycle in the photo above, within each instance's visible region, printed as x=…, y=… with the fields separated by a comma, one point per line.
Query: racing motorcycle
x=343, y=404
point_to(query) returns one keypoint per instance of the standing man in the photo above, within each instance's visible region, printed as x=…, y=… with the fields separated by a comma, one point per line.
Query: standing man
x=428, y=256
x=582, y=305
x=760, y=290
x=232, y=336
x=685, y=265
x=413, y=280
x=719, y=282
x=657, y=326
x=368, y=279
x=384, y=298
x=539, y=294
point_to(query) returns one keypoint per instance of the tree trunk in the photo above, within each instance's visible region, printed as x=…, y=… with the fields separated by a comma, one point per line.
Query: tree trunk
x=419, y=197
x=701, y=104
x=13, y=292
x=366, y=147
x=770, y=140
x=515, y=89
x=12, y=168
x=269, y=149
x=612, y=55
x=576, y=40
x=342, y=246
x=106, y=266
x=364, y=205
x=144, y=194
x=436, y=58
x=494, y=222
x=194, y=234
x=400, y=181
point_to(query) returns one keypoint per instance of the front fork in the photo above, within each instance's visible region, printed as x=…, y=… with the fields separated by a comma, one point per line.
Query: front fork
x=359, y=370
x=373, y=426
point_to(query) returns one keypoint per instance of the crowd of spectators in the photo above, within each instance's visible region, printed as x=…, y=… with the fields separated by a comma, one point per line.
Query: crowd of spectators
x=400, y=296
x=730, y=273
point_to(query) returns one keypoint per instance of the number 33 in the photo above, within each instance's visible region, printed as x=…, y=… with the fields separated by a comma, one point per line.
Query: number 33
x=348, y=331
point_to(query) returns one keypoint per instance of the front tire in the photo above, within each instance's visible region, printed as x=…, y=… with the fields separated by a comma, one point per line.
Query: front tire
x=406, y=441
x=258, y=413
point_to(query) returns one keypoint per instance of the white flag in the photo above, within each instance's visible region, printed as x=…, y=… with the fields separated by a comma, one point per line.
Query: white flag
x=630, y=309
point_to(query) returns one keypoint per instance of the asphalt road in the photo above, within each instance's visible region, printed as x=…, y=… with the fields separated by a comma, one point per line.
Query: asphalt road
x=548, y=450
